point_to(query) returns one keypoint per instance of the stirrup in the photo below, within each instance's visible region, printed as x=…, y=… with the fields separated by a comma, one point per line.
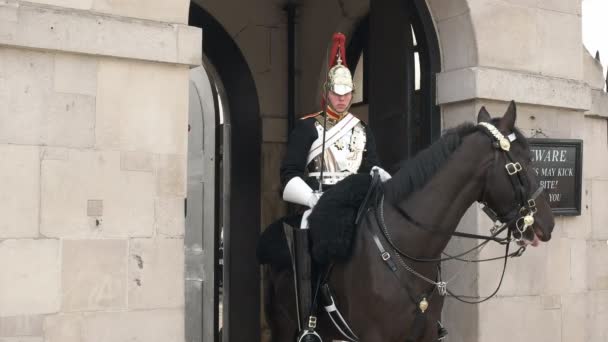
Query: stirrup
x=309, y=336
x=441, y=331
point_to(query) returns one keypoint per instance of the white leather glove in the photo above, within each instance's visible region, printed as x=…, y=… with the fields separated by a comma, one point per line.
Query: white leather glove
x=314, y=198
x=297, y=191
x=384, y=176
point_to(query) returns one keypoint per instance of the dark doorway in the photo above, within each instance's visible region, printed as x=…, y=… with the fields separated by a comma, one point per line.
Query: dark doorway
x=396, y=45
x=241, y=195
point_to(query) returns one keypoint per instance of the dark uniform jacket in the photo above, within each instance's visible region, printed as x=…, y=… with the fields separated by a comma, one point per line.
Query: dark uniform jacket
x=300, y=141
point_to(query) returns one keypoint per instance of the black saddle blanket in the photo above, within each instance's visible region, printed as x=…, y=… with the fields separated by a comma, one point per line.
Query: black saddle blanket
x=332, y=226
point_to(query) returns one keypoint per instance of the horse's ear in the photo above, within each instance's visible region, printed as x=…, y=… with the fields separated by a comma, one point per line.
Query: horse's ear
x=483, y=115
x=507, y=122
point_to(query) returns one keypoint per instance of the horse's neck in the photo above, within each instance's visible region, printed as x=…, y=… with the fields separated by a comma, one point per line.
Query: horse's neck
x=442, y=202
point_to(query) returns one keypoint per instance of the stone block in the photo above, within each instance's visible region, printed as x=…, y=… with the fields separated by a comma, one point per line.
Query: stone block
x=488, y=83
x=69, y=185
x=457, y=39
x=599, y=102
x=572, y=123
x=524, y=317
x=34, y=113
x=94, y=275
x=575, y=314
x=30, y=286
x=593, y=72
x=270, y=82
x=157, y=10
x=21, y=339
x=595, y=145
x=559, y=34
x=25, y=92
x=557, y=266
x=171, y=175
x=136, y=161
x=537, y=121
x=21, y=326
x=526, y=3
x=8, y=15
x=69, y=121
x=525, y=276
x=442, y=10
x=78, y=4
x=75, y=74
x=578, y=227
x=189, y=44
x=149, y=326
x=20, y=195
x=148, y=112
x=272, y=155
x=156, y=273
x=454, y=114
x=63, y=328
x=274, y=130
x=551, y=302
x=565, y=6
x=273, y=208
x=272, y=92
x=254, y=41
x=268, y=13
x=578, y=266
x=597, y=316
x=169, y=216
x=597, y=268
x=495, y=25
x=599, y=214
x=66, y=30
x=462, y=320
x=54, y=153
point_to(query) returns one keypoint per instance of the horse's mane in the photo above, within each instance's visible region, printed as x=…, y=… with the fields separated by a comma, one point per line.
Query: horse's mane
x=414, y=173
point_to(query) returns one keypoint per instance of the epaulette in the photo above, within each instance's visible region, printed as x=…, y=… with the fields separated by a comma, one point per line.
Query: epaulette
x=312, y=115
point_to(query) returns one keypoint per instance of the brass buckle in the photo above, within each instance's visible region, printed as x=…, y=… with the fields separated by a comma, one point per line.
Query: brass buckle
x=385, y=256
x=312, y=322
x=513, y=168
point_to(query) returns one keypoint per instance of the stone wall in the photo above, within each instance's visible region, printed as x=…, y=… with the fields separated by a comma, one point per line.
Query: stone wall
x=93, y=142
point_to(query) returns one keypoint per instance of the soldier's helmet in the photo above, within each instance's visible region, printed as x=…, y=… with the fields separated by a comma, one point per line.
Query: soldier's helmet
x=339, y=78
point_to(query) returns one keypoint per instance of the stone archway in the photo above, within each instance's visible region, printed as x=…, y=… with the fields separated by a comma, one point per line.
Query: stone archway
x=241, y=134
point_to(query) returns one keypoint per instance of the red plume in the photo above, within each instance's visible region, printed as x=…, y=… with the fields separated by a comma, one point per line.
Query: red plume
x=338, y=43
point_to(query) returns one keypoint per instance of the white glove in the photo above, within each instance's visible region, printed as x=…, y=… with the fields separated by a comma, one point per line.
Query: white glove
x=384, y=176
x=314, y=198
x=297, y=191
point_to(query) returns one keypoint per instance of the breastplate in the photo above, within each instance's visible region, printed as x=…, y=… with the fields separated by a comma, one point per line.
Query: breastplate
x=342, y=158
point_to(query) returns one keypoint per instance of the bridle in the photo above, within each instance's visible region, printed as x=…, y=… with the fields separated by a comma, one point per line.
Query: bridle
x=524, y=209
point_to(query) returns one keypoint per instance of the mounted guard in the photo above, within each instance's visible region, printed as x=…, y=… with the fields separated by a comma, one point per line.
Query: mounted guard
x=323, y=149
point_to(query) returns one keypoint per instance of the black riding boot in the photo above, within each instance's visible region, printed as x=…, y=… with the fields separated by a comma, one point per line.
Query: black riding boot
x=441, y=331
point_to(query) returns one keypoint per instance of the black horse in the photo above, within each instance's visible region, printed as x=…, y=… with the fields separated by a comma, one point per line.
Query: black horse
x=421, y=207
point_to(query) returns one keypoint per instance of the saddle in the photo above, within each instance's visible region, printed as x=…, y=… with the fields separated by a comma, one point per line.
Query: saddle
x=332, y=225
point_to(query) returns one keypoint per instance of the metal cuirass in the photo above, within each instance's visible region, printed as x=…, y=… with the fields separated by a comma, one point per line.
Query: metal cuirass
x=342, y=158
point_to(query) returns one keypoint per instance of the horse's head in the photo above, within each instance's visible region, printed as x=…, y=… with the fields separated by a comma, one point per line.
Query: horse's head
x=511, y=189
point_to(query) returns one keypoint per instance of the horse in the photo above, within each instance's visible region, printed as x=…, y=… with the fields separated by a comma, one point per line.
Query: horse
x=420, y=209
